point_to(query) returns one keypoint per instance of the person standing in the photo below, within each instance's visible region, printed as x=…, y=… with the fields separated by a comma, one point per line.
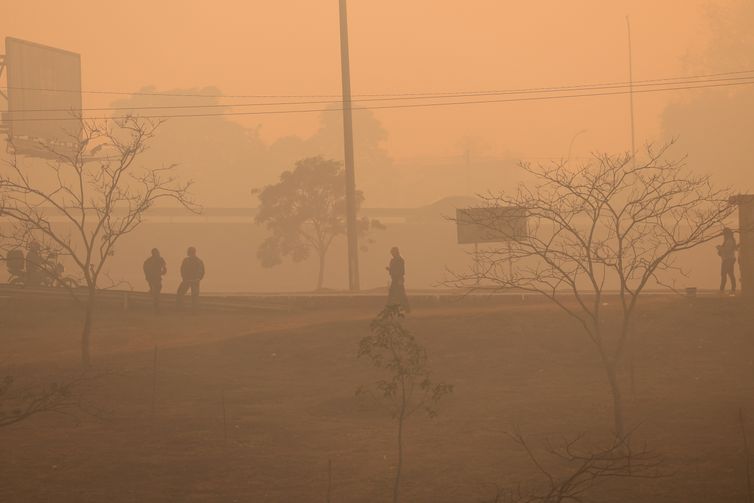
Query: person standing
x=397, y=269
x=192, y=272
x=154, y=269
x=727, y=252
x=35, y=272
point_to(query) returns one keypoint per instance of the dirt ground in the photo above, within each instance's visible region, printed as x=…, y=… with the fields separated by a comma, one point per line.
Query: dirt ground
x=287, y=381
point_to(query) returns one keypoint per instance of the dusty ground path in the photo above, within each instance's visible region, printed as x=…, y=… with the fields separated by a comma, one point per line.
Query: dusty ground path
x=51, y=333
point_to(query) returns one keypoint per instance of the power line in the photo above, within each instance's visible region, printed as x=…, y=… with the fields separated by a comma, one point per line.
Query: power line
x=384, y=95
x=596, y=87
x=399, y=106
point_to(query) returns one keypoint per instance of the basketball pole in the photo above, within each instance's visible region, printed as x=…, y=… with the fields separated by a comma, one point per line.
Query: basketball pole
x=351, y=225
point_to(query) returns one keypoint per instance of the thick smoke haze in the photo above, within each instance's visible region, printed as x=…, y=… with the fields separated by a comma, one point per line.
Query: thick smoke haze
x=400, y=47
x=405, y=158
x=513, y=264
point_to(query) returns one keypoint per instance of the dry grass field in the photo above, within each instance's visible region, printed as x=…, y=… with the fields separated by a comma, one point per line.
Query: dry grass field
x=285, y=383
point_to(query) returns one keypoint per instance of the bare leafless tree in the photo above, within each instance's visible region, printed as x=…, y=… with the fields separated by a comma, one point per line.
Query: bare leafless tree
x=64, y=397
x=600, y=227
x=89, y=197
x=581, y=469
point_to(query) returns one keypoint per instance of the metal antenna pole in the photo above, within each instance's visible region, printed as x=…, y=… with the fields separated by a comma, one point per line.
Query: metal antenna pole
x=353, y=238
x=631, y=91
x=467, y=154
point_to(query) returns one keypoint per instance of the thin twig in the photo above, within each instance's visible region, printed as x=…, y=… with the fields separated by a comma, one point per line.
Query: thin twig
x=747, y=455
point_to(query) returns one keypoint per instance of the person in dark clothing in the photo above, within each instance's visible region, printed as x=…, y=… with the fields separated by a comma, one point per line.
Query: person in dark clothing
x=397, y=269
x=35, y=272
x=192, y=272
x=727, y=252
x=154, y=269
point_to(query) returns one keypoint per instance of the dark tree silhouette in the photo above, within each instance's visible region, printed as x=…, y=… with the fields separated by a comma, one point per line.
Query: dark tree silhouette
x=18, y=404
x=598, y=227
x=305, y=212
x=203, y=144
x=408, y=387
x=713, y=126
x=585, y=468
x=377, y=173
x=89, y=197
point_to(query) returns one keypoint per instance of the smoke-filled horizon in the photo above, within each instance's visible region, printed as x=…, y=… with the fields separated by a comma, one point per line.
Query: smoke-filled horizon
x=519, y=268
x=291, y=48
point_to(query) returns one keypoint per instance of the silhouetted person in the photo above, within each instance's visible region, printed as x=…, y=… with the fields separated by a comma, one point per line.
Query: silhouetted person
x=192, y=272
x=727, y=252
x=397, y=269
x=16, y=264
x=35, y=272
x=154, y=269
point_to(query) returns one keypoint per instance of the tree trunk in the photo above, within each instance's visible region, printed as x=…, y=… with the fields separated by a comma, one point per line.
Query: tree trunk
x=321, y=278
x=87, y=331
x=397, y=485
x=615, y=390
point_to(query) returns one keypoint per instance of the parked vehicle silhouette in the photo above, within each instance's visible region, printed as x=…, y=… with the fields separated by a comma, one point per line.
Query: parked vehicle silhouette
x=50, y=271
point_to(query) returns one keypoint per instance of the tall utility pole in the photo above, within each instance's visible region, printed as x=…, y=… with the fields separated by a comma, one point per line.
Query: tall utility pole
x=631, y=90
x=467, y=156
x=353, y=238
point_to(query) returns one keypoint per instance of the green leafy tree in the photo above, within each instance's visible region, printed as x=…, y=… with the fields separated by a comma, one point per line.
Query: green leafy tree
x=305, y=212
x=408, y=388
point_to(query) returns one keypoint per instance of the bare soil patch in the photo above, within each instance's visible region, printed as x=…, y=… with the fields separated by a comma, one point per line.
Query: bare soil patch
x=288, y=381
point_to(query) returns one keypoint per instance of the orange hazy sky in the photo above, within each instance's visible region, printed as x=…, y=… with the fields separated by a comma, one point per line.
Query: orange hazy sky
x=292, y=47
